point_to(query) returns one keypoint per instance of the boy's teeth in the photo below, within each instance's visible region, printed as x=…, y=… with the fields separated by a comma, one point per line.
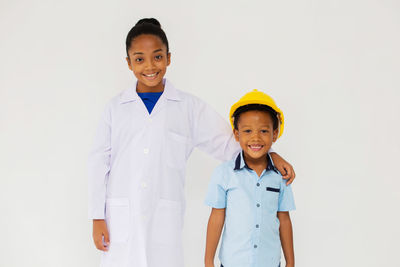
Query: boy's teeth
x=150, y=75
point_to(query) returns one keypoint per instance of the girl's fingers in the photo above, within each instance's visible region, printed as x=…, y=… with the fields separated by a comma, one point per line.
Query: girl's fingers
x=99, y=244
x=106, y=238
x=285, y=174
x=291, y=176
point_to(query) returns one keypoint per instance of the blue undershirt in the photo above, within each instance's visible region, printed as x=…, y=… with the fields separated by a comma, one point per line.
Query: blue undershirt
x=150, y=99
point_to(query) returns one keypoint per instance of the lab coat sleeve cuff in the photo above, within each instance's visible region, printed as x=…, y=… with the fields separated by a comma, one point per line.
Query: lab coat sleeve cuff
x=97, y=213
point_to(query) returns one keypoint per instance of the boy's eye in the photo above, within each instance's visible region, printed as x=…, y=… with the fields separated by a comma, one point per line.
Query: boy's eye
x=158, y=57
x=264, y=131
x=139, y=59
x=247, y=131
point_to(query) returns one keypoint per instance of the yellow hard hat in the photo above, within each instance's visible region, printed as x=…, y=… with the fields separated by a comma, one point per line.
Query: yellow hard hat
x=257, y=97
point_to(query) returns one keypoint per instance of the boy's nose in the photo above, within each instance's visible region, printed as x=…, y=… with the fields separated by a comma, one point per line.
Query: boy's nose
x=255, y=136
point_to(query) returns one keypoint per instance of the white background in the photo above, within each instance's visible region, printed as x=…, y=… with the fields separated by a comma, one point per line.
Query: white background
x=332, y=66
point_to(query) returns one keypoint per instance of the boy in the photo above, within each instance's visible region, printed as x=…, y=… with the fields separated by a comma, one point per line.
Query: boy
x=247, y=194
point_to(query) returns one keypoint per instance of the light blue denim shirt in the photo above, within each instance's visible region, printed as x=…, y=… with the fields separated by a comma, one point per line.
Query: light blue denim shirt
x=251, y=231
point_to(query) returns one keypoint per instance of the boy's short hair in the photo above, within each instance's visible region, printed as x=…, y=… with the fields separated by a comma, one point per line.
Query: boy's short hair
x=255, y=107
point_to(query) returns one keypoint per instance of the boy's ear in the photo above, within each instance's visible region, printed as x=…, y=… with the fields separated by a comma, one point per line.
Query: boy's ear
x=275, y=136
x=236, y=134
x=129, y=63
x=168, y=59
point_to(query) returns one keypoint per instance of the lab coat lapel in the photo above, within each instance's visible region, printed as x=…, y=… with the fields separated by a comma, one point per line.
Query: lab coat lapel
x=169, y=94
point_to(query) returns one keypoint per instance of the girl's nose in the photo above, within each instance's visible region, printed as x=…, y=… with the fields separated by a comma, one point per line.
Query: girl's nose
x=149, y=64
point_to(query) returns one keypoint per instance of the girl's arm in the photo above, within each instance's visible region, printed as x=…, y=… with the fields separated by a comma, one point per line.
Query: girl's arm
x=214, y=229
x=286, y=235
x=99, y=167
x=283, y=167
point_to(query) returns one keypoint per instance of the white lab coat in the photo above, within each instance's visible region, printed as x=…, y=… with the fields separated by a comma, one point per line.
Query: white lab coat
x=137, y=173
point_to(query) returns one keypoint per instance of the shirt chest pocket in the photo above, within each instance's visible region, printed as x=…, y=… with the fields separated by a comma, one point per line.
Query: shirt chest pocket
x=271, y=197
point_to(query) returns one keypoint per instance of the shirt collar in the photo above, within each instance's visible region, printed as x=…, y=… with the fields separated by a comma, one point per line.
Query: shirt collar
x=240, y=163
x=170, y=93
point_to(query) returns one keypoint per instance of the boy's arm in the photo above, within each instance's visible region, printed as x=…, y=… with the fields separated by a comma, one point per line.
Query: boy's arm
x=283, y=167
x=214, y=229
x=286, y=234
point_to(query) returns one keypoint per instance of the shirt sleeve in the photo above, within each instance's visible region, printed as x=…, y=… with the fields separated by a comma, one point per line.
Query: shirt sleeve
x=216, y=194
x=286, y=199
x=99, y=167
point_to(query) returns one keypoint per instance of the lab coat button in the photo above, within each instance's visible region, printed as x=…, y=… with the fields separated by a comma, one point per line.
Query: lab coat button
x=146, y=151
x=144, y=185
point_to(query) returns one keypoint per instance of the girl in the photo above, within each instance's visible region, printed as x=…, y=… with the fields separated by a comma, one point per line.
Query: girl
x=137, y=165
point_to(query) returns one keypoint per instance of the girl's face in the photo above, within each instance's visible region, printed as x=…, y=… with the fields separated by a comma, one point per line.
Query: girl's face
x=148, y=59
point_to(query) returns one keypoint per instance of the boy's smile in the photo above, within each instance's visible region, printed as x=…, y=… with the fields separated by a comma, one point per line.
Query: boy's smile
x=148, y=59
x=255, y=134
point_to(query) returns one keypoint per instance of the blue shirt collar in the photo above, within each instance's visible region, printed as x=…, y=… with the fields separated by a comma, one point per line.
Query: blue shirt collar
x=240, y=163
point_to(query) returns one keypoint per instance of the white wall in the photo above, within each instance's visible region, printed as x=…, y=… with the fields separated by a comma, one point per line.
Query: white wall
x=333, y=67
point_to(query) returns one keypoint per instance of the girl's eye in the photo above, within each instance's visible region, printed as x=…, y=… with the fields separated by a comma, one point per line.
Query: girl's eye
x=264, y=131
x=247, y=131
x=139, y=59
x=158, y=57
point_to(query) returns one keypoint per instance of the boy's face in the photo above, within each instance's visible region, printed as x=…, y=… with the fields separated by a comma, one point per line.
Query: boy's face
x=255, y=134
x=148, y=59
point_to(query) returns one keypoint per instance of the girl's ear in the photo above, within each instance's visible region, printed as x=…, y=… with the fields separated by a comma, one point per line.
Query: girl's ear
x=168, y=59
x=129, y=63
x=236, y=134
x=275, y=136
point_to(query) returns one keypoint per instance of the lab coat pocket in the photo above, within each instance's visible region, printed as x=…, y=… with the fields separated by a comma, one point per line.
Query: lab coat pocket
x=167, y=223
x=117, y=218
x=176, y=145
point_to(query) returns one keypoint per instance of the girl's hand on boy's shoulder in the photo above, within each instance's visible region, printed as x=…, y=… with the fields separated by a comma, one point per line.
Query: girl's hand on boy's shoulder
x=284, y=167
x=209, y=265
x=101, y=237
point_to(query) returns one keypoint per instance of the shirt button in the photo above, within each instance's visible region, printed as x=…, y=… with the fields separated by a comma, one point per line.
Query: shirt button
x=255, y=246
x=146, y=151
x=144, y=185
x=258, y=205
x=150, y=120
x=258, y=184
x=257, y=226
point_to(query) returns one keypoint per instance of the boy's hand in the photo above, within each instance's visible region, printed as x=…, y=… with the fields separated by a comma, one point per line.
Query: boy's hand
x=284, y=168
x=209, y=264
x=99, y=232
